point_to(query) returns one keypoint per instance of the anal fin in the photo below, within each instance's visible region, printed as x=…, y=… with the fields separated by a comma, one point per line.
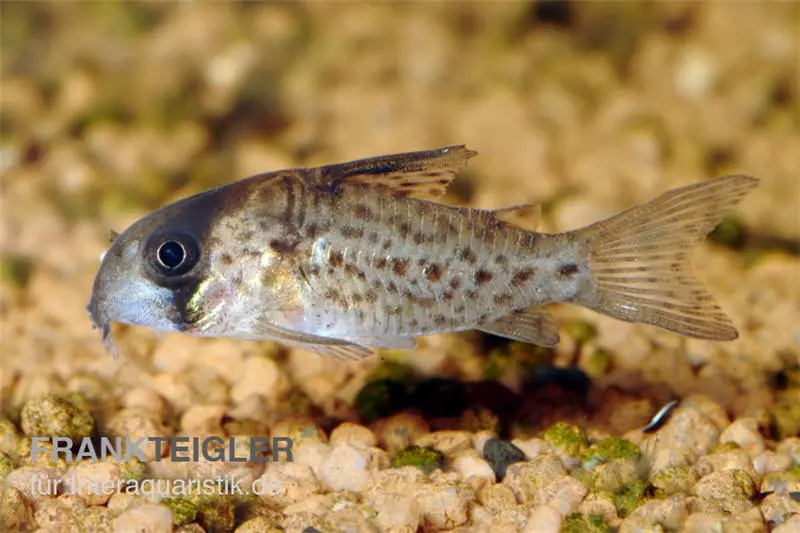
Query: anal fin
x=534, y=325
x=343, y=352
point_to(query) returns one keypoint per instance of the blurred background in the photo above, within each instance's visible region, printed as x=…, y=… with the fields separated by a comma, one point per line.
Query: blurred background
x=112, y=109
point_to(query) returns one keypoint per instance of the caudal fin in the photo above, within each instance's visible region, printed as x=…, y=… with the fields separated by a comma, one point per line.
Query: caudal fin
x=640, y=260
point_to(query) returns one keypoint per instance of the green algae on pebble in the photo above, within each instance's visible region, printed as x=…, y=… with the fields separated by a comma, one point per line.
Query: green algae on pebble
x=215, y=513
x=391, y=370
x=425, y=458
x=16, y=514
x=50, y=416
x=6, y=465
x=9, y=437
x=597, y=362
x=576, y=522
x=786, y=416
x=581, y=331
x=628, y=496
x=724, y=447
x=609, y=449
x=183, y=512
x=258, y=524
x=673, y=479
x=569, y=438
x=381, y=398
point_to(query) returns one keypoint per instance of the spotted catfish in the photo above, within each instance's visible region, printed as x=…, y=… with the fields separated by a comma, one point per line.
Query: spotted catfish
x=341, y=258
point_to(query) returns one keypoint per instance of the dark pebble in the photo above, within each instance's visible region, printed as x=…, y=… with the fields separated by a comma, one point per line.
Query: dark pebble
x=500, y=454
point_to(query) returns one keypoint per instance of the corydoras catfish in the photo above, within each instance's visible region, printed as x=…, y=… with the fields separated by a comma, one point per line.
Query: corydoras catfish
x=341, y=258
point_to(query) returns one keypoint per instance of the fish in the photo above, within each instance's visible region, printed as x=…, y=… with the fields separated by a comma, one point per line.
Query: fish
x=346, y=258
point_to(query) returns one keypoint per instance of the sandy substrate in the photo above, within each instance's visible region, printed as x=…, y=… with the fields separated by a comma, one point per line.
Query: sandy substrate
x=109, y=112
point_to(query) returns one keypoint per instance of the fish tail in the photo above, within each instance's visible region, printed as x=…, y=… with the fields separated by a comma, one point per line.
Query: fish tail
x=640, y=260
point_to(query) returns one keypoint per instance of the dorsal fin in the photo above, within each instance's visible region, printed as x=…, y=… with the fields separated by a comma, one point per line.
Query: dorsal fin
x=425, y=174
x=534, y=325
x=525, y=216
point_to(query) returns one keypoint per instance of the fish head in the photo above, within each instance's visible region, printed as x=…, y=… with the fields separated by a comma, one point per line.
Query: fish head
x=153, y=268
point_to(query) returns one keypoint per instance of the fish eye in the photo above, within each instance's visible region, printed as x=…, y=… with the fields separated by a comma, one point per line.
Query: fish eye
x=173, y=255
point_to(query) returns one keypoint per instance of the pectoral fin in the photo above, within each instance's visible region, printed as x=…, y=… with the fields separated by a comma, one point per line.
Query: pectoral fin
x=387, y=342
x=344, y=352
x=425, y=174
x=534, y=325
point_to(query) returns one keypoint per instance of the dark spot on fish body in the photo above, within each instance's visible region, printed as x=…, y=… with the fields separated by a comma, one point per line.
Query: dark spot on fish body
x=356, y=298
x=421, y=261
x=282, y=247
x=501, y=259
x=426, y=303
x=392, y=287
x=347, y=231
x=387, y=244
x=371, y=296
x=418, y=238
x=335, y=259
x=360, y=315
x=567, y=270
x=381, y=263
x=373, y=237
x=522, y=276
x=455, y=283
x=471, y=295
x=483, y=276
x=399, y=266
x=405, y=229
x=395, y=310
x=439, y=320
x=483, y=318
x=226, y=259
x=448, y=295
x=414, y=323
x=459, y=309
x=466, y=255
x=362, y=212
x=311, y=230
x=433, y=272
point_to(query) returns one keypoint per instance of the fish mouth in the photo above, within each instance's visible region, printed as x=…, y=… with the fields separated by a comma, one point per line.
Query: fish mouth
x=100, y=321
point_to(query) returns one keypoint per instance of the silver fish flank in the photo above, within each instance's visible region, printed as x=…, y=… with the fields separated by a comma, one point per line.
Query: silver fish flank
x=343, y=258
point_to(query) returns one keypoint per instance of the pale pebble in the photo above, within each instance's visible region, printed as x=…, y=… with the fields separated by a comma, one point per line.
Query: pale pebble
x=543, y=519
x=496, y=496
x=777, y=508
x=203, y=421
x=346, y=468
x=480, y=438
x=687, y=428
x=703, y=522
x=448, y=442
x=639, y=525
x=298, y=428
x=727, y=460
x=397, y=512
x=445, y=506
x=93, y=482
x=709, y=408
x=34, y=482
x=136, y=424
x=146, y=399
x=527, y=479
x=263, y=377
x=398, y=431
x=790, y=447
x=283, y=484
x=533, y=447
x=744, y=432
x=472, y=467
x=313, y=454
x=671, y=457
x=354, y=435
x=563, y=493
x=730, y=489
x=16, y=511
x=146, y=518
x=770, y=461
x=669, y=513
x=792, y=525
x=53, y=514
x=599, y=504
